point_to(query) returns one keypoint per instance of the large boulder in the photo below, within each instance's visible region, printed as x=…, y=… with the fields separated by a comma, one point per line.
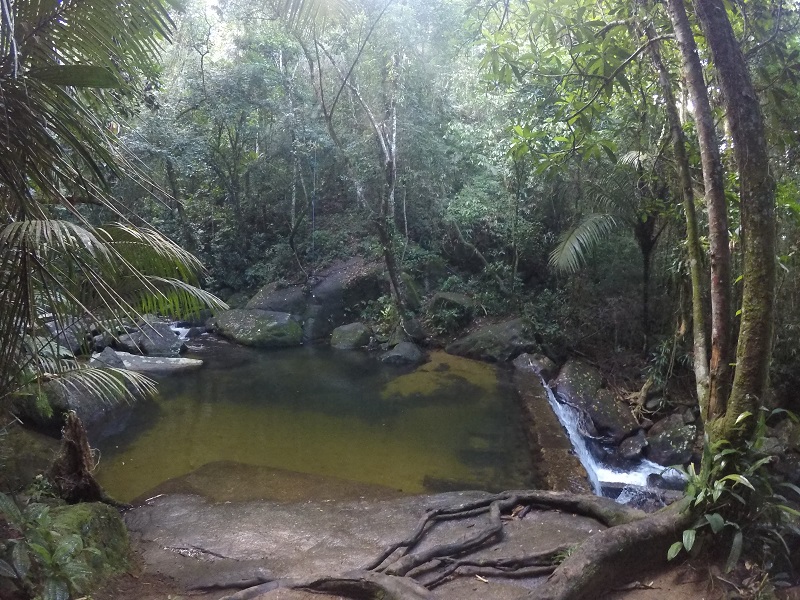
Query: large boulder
x=152, y=338
x=671, y=443
x=579, y=384
x=405, y=353
x=330, y=298
x=451, y=310
x=496, y=342
x=351, y=336
x=259, y=328
x=70, y=335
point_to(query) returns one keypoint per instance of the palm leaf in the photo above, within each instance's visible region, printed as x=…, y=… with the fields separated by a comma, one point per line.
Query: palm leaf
x=574, y=244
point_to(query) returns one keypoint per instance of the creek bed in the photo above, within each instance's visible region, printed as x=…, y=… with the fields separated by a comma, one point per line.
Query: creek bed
x=249, y=416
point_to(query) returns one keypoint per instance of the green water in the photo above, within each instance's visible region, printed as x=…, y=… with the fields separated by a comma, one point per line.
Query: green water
x=452, y=423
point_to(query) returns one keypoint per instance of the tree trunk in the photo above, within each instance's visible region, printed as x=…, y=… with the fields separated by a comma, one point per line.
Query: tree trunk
x=720, y=370
x=700, y=347
x=757, y=197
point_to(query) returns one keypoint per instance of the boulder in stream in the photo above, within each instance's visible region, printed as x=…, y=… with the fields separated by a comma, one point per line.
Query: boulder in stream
x=259, y=328
x=405, y=353
x=152, y=338
x=579, y=384
x=671, y=441
x=496, y=342
x=351, y=336
x=538, y=364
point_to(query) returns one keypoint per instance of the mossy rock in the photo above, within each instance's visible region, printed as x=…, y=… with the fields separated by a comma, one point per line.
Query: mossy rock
x=259, y=328
x=497, y=342
x=351, y=336
x=101, y=529
x=24, y=454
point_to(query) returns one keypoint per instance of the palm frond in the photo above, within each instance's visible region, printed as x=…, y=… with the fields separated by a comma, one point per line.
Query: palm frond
x=574, y=244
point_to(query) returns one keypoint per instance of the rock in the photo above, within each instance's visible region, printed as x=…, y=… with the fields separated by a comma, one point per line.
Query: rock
x=689, y=416
x=260, y=328
x=158, y=364
x=578, y=384
x=58, y=397
x=671, y=422
x=498, y=342
x=101, y=341
x=108, y=357
x=328, y=300
x=788, y=432
x=653, y=404
x=153, y=338
x=194, y=332
x=70, y=335
x=632, y=447
x=673, y=445
x=349, y=337
x=272, y=297
x=405, y=353
x=24, y=454
x=196, y=319
x=103, y=533
x=538, y=364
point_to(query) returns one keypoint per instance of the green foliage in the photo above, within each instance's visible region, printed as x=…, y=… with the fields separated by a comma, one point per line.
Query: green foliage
x=383, y=315
x=740, y=499
x=44, y=562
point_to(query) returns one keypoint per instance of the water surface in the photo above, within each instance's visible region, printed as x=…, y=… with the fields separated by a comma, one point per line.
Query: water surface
x=451, y=423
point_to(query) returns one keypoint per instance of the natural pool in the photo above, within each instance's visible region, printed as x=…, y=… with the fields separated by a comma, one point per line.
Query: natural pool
x=250, y=415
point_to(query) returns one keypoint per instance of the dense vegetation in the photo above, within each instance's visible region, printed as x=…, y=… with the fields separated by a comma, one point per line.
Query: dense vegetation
x=623, y=175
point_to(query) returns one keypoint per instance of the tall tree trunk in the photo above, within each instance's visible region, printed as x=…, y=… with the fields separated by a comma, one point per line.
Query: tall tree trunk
x=716, y=205
x=700, y=347
x=757, y=196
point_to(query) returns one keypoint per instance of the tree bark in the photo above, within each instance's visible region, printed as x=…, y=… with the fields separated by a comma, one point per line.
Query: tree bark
x=716, y=205
x=757, y=197
x=695, y=252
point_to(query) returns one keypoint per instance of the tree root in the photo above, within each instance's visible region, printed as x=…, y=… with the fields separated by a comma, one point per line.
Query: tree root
x=632, y=541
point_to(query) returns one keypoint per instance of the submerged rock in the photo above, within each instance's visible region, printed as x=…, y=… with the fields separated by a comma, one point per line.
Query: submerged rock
x=349, y=337
x=496, y=342
x=260, y=328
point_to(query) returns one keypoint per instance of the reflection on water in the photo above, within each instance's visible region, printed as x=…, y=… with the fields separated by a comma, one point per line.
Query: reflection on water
x=451, y=423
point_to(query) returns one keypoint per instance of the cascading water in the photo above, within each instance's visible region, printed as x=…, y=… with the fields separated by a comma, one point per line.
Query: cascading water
x=603, y=476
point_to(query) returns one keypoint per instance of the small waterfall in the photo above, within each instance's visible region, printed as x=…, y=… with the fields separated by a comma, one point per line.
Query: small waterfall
x=602, y=475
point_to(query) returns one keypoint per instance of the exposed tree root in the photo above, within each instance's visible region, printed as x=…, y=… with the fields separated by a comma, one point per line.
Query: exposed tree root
x=356, y=584
x=403, y=571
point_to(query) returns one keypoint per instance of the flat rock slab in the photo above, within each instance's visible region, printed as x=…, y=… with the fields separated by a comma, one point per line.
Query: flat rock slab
x=201, y=544
x=158, y=364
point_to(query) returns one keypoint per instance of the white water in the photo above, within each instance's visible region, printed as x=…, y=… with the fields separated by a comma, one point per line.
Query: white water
x=599, y=473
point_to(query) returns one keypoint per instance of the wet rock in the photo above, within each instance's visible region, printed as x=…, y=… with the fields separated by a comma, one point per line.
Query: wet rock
x=260, y=328
x=671, y=443
x=153, y=338
x=497, y=342
x=537, y=364
x=108, y=357
x=689, y=416
x=405, y=353
x=194, y=332
x=46, y=411
x=632, y=447
x=349, y=337
x=578, y=384
x=158, y=364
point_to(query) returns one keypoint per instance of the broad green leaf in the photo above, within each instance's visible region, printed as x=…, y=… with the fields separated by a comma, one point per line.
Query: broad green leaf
x=55, y=589
x=688, y=538
x=21, y=559
x=77, y=76
x=674, y=550
x=716, y=522
x=736, y=478
x=736, y=552
x=743, y=416
x=10, y=509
